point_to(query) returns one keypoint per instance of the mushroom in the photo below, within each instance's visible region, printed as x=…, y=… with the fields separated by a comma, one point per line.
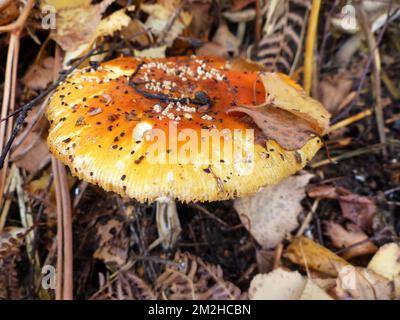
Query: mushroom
x=139, y=127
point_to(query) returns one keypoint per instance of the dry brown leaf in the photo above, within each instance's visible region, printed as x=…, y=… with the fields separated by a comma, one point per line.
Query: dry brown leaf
x=265, y=260
x=288, y=130
x=224, y=44
x=342, y=238
x=32, y=153
x=39, y=75
x=284, y=93
x=159, y=17
x=76, y=25
x=202, y=19
x=358, y=209
x=309, y=254
x=135, y=31
x=113, y=243
x=386, y=262
x=333, y=90
x=271, y=214
x=362, y=284
x=105, y=27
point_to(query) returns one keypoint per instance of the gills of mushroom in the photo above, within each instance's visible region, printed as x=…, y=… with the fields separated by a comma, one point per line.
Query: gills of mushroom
x=182, y=128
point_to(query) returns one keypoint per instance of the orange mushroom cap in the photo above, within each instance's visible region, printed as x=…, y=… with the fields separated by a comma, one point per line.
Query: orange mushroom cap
x=105, y=123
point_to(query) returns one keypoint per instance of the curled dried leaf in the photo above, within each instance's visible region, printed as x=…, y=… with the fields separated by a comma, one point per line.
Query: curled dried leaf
x=288, y=130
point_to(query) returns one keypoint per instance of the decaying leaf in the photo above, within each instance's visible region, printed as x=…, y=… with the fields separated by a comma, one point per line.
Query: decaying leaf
x=362, y=284
x=32, y=152
x=281, y=284
x=288, y=130
x=289, y=116
x=76, y=25
x=358, y=209
x=113, y=243
x=159, y=15
x=224, y=44
x=105, y=27
x=309, y=254
x=284, y=93
x=342, y=238
x=39, y=75
x=386, y=262
x=333, y=90
x=271, y=214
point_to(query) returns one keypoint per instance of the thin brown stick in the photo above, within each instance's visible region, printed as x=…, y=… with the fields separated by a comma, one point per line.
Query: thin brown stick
x=372, y=44
x=59, y=267
x=8, y=102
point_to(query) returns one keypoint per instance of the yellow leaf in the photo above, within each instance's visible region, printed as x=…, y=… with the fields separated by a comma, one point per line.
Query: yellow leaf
x=312, y=255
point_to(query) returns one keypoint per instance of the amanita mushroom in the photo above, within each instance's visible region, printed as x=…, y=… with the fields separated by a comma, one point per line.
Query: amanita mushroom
x=107, y=120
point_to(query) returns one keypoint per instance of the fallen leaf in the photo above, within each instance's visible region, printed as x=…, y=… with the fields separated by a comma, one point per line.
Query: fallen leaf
x=285, y=128
x=76, y=25
x=271, y=214
x=105, y=27
x=265, y=260
x=386, y=262
x=309, y=254
x=358, y=209
x=136, y=31
x=362, y=284
x=113, y=243
x=333, y=90
x=277, y=285
x=283, y=92
x=202, y=19
x=224, y=44
x=39, y=75
x=32, y=153
x=159, y=16
x=342, y=238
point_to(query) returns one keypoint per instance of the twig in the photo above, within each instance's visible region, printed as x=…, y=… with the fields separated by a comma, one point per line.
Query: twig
x=345, y=112
x=310, y=45
x=372, y=44
x=208, y=213
x=354, y=153
x=257, y=25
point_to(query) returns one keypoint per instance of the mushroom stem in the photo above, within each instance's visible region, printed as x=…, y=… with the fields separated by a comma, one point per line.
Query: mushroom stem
x=168, y=224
